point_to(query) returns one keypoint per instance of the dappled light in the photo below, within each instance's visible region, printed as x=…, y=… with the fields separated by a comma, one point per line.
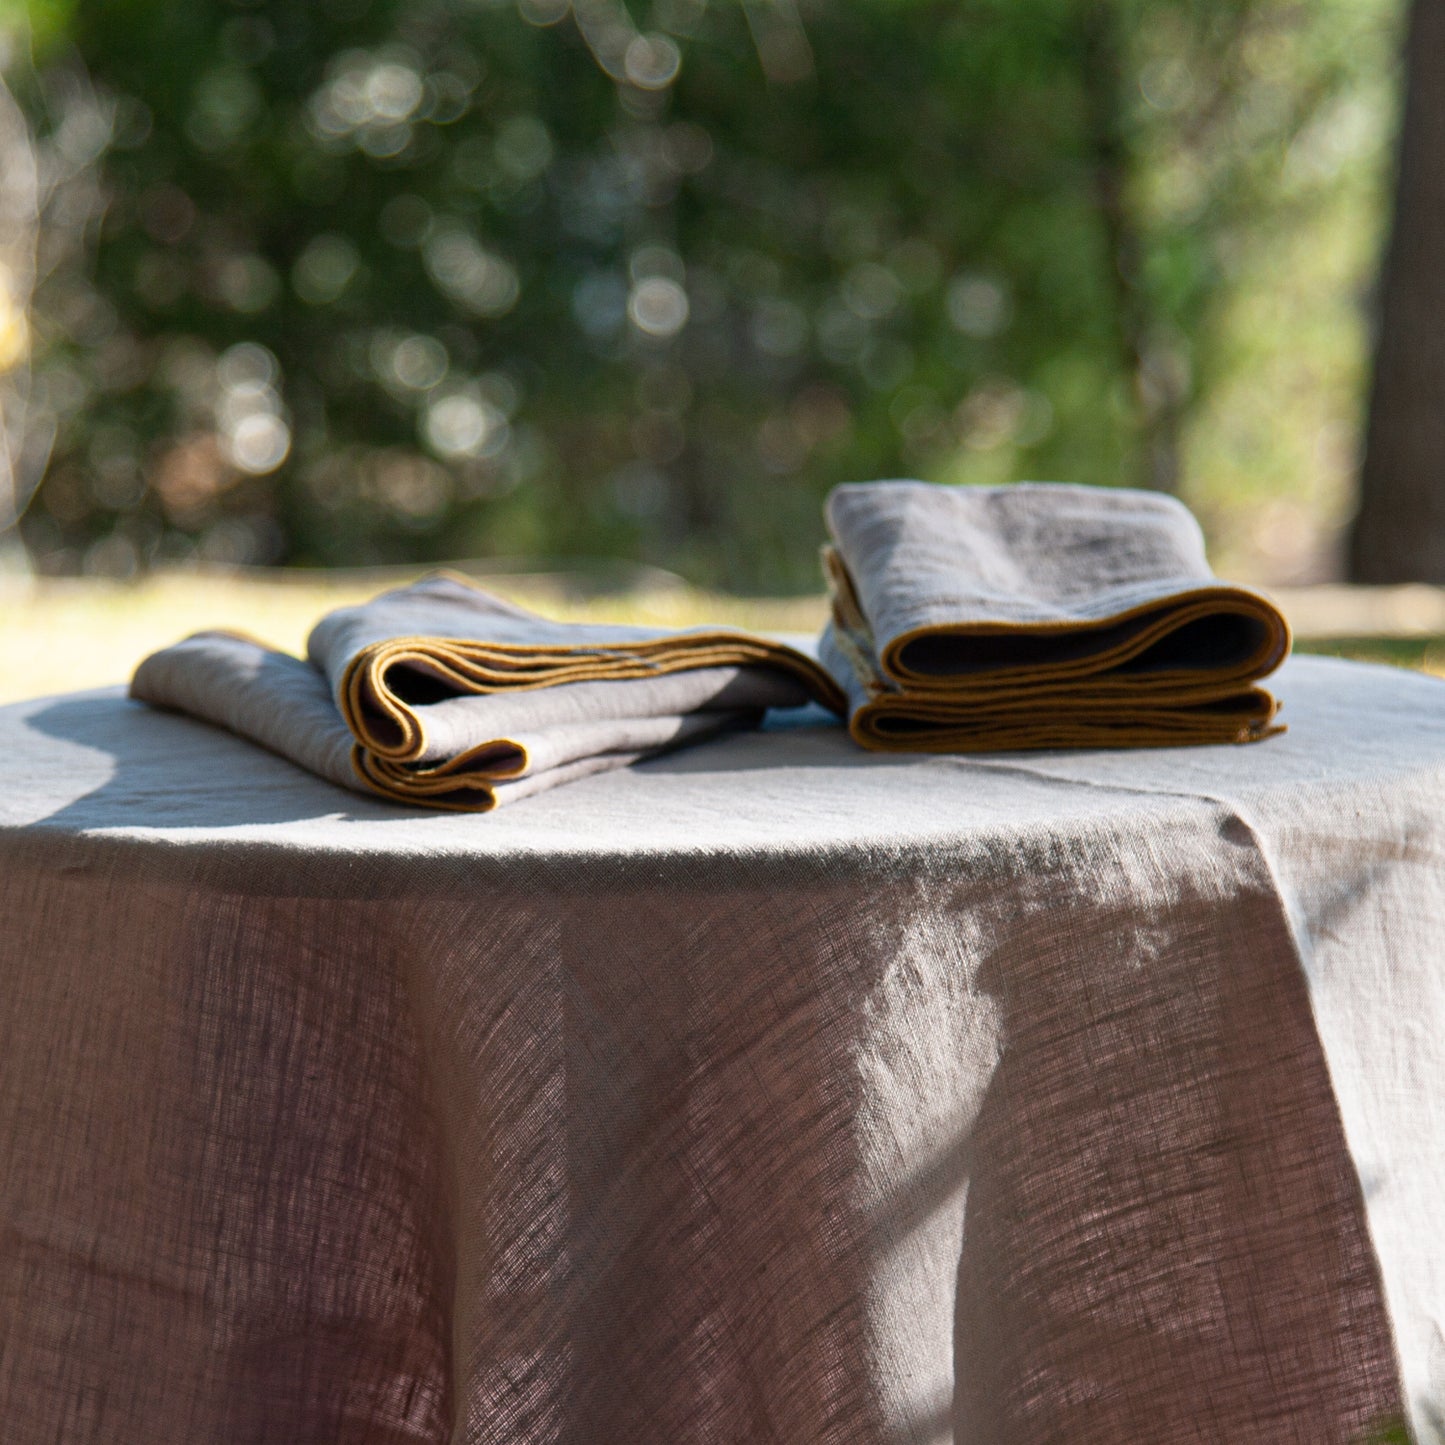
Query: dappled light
x=647, y=279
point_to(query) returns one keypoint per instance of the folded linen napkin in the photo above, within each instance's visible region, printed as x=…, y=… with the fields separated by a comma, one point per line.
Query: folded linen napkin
x=972, y=619
x=442, y=694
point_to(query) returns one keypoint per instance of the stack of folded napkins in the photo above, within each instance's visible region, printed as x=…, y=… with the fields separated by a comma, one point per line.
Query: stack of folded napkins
x=970, y=619
x=445, y=695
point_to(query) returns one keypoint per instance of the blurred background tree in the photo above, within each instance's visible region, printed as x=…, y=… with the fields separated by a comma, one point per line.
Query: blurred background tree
x=360, y=281
x=1399, y=533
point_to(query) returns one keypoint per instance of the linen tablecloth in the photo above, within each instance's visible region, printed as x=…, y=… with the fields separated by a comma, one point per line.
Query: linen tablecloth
x=773, y=1091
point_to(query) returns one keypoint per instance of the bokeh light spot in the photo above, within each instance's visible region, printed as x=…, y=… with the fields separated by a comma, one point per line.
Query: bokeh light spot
x=324, y=269
x=658, y=307
x=652, y=61
x=259, y=443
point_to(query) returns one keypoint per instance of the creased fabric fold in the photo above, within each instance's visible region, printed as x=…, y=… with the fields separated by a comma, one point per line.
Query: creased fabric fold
x=1037, y=615
x=442, y=694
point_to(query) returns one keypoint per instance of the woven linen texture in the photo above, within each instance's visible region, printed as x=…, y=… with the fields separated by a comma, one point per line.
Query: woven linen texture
x=770, y=1091
x=440, y=693
x=1039, y=615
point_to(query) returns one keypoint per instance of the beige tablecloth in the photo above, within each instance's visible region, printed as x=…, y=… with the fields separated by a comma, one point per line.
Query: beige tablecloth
x=772, y=1091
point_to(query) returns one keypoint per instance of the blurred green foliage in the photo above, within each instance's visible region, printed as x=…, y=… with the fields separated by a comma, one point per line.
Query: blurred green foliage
x=380, y=280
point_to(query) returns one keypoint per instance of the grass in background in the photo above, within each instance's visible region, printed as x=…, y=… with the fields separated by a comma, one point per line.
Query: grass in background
x=64, y=635
x=1425, y=654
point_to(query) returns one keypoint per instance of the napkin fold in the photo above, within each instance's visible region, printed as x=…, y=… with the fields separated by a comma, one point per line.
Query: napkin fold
x=443, y=694
x=1039, y=615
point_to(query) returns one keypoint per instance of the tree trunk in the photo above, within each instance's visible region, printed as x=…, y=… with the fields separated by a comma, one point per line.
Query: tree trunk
x=1399, y=534
x=1159, y=395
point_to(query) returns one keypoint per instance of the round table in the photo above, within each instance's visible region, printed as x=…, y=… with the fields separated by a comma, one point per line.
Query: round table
x=770, y=1091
